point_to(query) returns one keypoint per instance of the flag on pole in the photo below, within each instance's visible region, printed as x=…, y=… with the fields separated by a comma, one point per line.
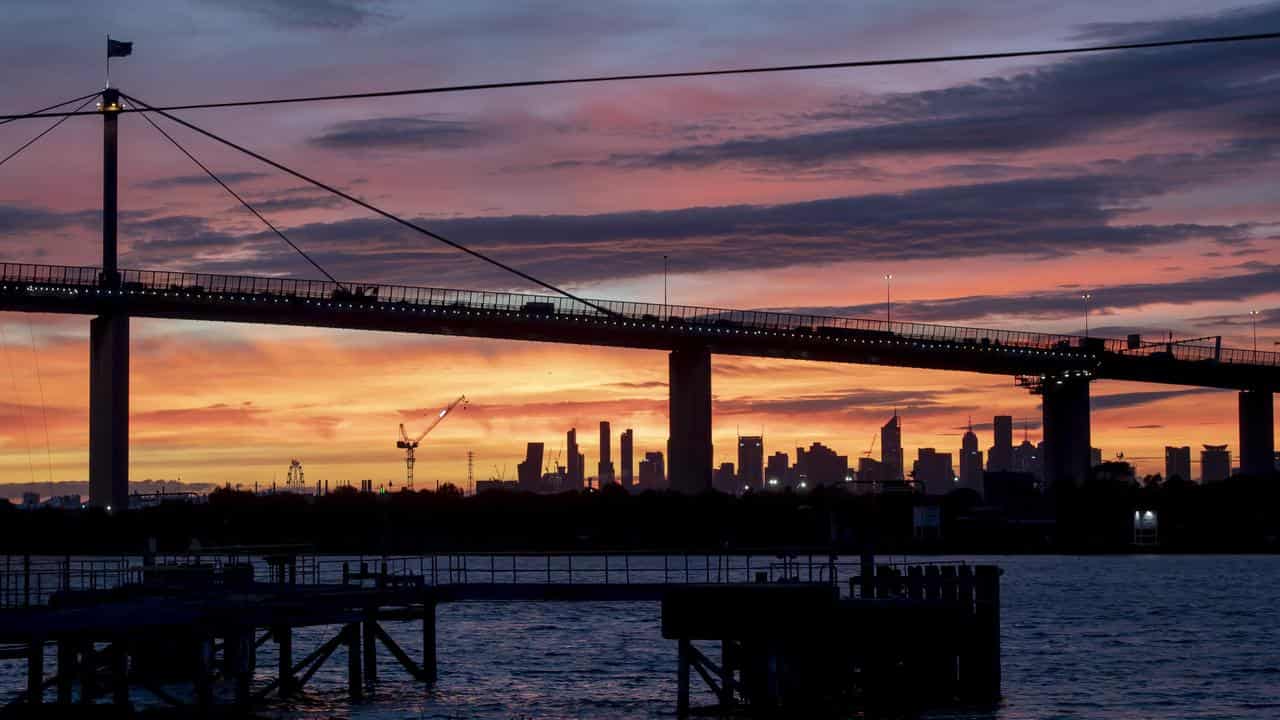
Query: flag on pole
x=119, y=48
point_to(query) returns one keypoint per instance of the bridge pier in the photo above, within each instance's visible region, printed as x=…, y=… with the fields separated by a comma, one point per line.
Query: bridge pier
x=689, y=459
x=1067, y=443
x=1257, y=432
x=109, y=411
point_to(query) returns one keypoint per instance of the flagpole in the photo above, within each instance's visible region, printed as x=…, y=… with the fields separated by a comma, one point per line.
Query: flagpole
x=108, y=60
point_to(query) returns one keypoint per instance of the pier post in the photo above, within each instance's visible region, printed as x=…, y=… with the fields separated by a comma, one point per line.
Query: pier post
x=66, y=670
x=982, y=670
x=726, y=674
x=429, y=667
x=867, y=577
x=35, y=671
x=283, y=635
x=120, y=672
x=355, y=686
x=370, y=652
x=204, y=671
x=682, y=677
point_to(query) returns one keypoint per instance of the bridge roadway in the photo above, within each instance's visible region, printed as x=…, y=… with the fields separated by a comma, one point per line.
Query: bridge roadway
x=1044, y=362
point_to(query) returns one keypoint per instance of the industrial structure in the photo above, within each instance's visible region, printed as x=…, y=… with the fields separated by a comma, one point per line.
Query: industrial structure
x=410, y=445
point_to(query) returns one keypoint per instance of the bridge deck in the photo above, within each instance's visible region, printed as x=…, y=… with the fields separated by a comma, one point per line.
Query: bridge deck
x=397, y=308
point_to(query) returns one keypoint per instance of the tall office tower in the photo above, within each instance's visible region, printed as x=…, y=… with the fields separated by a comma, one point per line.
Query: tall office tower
x=891, y=449
x=1215, y=463
x=604, y=476
x=1027, y=458
x=577, y=478
x=1000, y=456
x=751, y=461
x=970, y=462
x=1177, y=462
x=529, y=472
x=625, y=450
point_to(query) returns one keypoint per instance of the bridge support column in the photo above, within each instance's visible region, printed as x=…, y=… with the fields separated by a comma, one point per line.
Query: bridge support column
x=1067, y=444
x=109, y=411
x=1257, y=432
x=689, y=445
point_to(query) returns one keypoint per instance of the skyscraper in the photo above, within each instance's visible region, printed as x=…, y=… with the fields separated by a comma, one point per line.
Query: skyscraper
x=1177, y=462
x=577, y=478
x=970, y=462
x=625, y=450
x=604, y=474
x=529, y=472
x=1215, y=463
x=933, y=472
x=1000, y=456
x=891, y=449
x=751, y=461
x=724, y=480
x=820, y=465
x=1027, y=458
x=652, y=472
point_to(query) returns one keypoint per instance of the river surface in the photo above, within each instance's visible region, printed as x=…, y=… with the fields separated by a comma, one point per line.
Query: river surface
x=1083, y=637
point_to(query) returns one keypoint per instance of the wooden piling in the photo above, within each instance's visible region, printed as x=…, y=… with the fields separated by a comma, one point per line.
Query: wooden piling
x=983, y=661
x=682, y=677
x=66, y=670
x=726, y=673
x=35, y=671
x=867, y=577
x=370, y=652
x=119, y=656
x=283, y=635
x=429, y=667
x=355, y=685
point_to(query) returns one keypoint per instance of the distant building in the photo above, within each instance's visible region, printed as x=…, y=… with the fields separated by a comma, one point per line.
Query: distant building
x=970, y=462
x=891, y=448
x=933, y=472
x=870, y=475
x=653, y=473
x=926, y=522
x=818, y=466
x=1215, y=463
x=625, y=445
x=1003, y=489
x=751, y=461
x=529, y=472
x=483, y=486
x=1000, y=456
x=775, y=471
x=1028, y=459
x=576, y=472
x=30, y=501
x=605, y=469
x=725, y=480
x=1095, y=457
x=1177, y=462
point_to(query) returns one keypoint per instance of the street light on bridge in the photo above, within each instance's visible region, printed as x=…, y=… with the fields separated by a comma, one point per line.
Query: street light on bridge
x=1253, y=316
x=1086, y=298
x=888, y=298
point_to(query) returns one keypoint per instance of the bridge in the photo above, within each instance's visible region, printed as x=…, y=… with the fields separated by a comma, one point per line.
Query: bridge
x=1057, y=367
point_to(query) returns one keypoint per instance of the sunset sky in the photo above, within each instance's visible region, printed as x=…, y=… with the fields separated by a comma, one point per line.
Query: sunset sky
x=994, y=192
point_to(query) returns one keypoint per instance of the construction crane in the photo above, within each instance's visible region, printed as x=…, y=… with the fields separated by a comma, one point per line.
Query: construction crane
x=294, y=480
x=409, y=445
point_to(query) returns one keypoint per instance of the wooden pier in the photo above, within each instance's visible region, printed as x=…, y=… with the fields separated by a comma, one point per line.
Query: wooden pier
x=793, y=631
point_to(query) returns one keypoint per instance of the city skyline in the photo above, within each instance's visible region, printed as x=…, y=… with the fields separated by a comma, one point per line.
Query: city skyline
x=1162, y=222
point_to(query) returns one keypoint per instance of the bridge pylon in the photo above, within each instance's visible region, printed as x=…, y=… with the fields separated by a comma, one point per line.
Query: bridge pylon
x=109, y=345
x=1067, y=441
x=1257, y=432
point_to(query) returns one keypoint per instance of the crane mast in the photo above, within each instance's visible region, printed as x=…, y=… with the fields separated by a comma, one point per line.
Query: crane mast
x=410, y=445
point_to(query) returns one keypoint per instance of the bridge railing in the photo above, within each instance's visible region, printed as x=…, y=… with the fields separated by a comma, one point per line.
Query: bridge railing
x=392, y=297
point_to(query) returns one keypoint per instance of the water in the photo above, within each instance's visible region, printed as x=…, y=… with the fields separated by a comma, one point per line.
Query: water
x=1084, y=637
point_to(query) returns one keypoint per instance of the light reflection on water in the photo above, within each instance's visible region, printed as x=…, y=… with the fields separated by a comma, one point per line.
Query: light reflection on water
x=1086, y=637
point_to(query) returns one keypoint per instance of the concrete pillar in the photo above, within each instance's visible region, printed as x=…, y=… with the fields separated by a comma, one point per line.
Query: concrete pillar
x=109, y=411
x=1066, y=431
x=689, y=446
x=1257, y=432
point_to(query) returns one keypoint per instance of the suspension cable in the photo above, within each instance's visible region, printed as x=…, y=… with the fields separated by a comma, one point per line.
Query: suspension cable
x=41, y=112
x=372, y=208
x=843, y=65
x=46, y=131
x=243, y=202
